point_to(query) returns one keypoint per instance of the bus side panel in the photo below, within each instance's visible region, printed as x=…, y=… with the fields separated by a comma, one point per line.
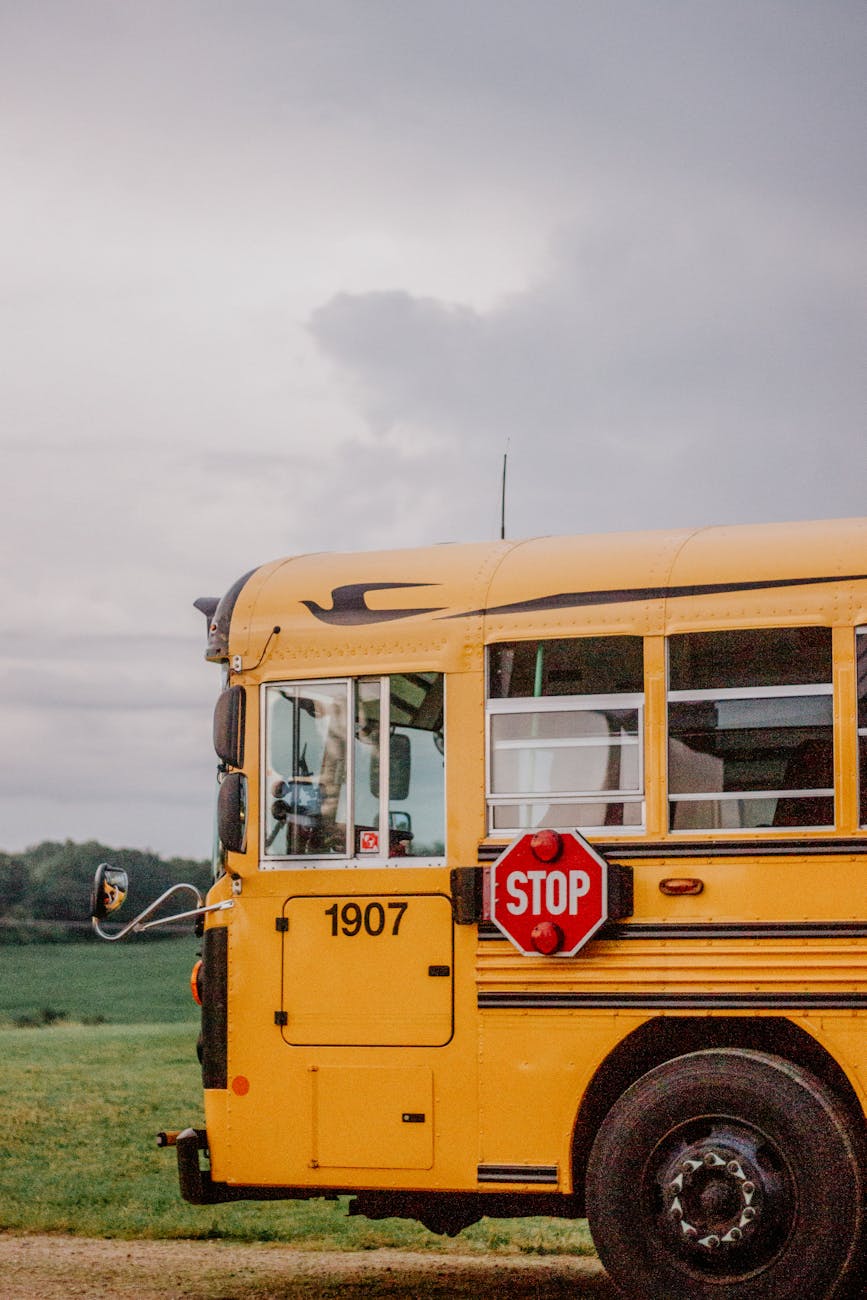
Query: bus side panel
x=331, y=1115
x=536, y=1066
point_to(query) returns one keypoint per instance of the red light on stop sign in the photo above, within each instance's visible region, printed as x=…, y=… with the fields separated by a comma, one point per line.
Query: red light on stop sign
x=546, y=938
x=546, y=846
x=549, y=905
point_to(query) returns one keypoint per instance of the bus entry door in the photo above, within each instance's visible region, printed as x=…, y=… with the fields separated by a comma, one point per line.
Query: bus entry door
x=368, y=970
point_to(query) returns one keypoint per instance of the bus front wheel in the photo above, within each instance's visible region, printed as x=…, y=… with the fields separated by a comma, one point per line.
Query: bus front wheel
x=730, y=1174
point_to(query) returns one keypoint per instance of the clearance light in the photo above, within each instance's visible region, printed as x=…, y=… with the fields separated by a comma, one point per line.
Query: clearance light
x=546, y=938
x=196, y=983
x=546, y=846
x=674, y=885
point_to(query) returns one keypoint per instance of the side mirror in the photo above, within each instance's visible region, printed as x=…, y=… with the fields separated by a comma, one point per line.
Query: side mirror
x=110, y=888
x=399, y=767
x=229, y=726
x=232, y=812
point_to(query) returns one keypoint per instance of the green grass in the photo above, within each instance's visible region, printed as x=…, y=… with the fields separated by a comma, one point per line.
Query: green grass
x=81, y=1105
x=122, y=983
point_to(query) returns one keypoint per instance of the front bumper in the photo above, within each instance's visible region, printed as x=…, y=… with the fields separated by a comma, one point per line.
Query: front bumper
x=198, y=1187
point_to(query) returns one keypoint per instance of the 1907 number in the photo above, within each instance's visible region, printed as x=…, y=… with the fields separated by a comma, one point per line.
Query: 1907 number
x=351, y=919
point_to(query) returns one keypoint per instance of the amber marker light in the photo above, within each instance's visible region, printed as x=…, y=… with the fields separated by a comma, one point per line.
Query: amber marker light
x=546, y=846
x=674, y=885
x=196, y=983
x=240, y=1085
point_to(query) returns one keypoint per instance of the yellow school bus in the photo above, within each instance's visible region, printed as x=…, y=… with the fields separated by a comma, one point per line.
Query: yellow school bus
x=693, y=1076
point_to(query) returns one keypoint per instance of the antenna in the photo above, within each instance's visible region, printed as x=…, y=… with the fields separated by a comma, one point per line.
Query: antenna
x=503, y=497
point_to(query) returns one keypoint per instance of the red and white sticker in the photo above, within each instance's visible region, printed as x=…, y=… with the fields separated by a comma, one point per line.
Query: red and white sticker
x=368, y=842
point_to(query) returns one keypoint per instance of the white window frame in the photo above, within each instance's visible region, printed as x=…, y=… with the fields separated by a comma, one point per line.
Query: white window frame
x=536, y=704
x=815, y=689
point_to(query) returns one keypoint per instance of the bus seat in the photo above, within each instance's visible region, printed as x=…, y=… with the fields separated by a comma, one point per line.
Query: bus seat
x=810, y=766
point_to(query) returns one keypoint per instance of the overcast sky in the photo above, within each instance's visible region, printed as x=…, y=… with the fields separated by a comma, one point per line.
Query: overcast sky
x=282, y=276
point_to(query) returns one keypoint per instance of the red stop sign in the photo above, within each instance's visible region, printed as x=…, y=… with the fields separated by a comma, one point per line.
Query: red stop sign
x=549, y=892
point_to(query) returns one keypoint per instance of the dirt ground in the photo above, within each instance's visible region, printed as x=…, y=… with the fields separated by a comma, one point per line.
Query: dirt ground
x=70, y=1268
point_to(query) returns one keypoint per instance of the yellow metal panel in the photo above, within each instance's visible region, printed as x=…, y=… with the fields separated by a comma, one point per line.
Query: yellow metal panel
x=372, y=1117
x=754, y=888
x=655, y=736
x=439, y=619
x=829, y=548
x=829, y=967
x=535, y=1068
x=346, y=986
x=403, y=602
x=217, y=1130
x=263, y=1133
x=562, y=565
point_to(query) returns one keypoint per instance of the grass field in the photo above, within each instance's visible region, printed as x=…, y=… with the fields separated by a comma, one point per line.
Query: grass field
x=82, y=1104
x=122, y=983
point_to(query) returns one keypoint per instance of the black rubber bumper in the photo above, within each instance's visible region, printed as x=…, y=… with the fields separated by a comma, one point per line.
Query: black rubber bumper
x=197, y=1186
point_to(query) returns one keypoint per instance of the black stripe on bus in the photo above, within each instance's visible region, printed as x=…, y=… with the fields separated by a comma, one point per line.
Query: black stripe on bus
x=709, y=849
x=503, y=1000
x=715, y=930
x=517, y=1173
x=627, y=595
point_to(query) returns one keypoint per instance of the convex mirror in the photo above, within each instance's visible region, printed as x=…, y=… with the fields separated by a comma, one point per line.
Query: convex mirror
x=232, y=812
x=229, y=726
x=110, y=888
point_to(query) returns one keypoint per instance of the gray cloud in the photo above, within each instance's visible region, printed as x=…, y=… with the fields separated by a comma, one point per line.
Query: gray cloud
x=648, y=355
x=285, y=278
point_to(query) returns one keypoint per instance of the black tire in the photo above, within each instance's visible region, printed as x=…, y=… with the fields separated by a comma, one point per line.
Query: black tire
x=727, y=1175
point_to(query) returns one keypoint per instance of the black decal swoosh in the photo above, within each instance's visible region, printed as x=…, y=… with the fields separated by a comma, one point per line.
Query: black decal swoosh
x=625, y=595
x=349, y=608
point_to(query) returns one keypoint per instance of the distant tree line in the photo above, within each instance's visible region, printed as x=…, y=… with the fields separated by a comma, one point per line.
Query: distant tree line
x=45, y=890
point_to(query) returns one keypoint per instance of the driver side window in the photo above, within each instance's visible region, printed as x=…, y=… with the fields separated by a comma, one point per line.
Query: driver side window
x=371, y=790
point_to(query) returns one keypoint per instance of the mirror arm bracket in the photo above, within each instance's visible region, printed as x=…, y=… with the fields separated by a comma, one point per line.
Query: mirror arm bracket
x=141, y=922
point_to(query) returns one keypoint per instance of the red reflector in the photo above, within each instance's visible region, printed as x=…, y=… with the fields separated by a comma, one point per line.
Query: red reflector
x=196, y=983
x=240, y=1085
x=546, y=938
x=546, y=846
x=681, y=885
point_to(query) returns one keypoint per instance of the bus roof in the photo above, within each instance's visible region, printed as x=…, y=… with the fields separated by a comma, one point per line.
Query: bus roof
x=378, y=610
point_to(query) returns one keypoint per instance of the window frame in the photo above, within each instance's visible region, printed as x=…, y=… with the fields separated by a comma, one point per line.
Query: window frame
x=712, y=694
x=535, y=704
x=350, y=858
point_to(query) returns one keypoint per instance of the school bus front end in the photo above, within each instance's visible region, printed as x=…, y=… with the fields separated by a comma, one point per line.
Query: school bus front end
x=396, y=1004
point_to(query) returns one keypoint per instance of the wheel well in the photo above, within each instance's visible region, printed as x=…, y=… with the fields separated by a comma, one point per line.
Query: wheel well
x=665, y=1037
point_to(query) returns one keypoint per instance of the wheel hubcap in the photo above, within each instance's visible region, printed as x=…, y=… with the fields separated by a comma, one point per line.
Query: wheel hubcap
x=724, y=1202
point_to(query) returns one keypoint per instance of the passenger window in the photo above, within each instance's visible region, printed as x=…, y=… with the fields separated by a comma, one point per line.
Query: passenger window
x=750, y=726
x=861, y=658
x=565, y=734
